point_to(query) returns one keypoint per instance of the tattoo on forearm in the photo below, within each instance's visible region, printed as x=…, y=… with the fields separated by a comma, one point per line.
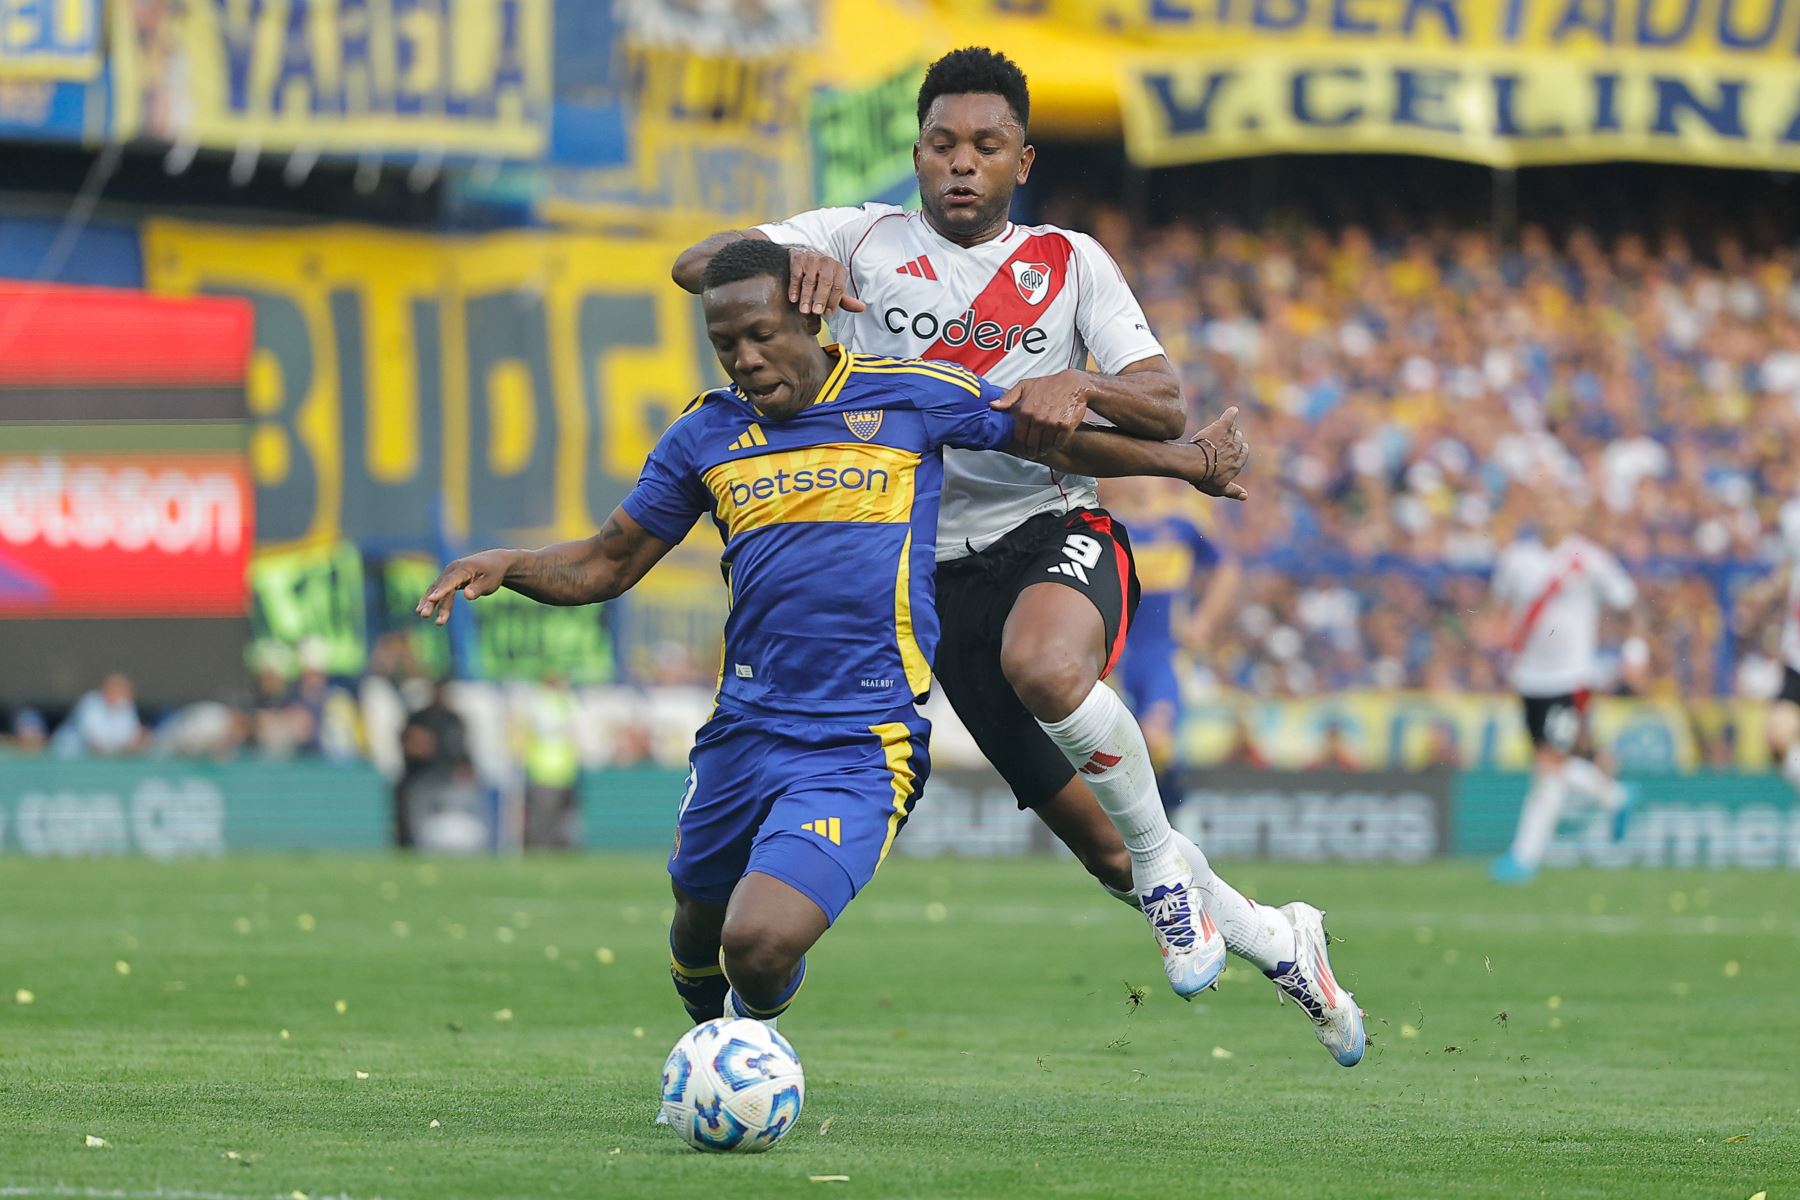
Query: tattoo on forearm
x=555, y=575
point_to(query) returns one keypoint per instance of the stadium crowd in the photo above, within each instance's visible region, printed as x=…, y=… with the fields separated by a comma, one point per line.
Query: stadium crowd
x=1403, y=391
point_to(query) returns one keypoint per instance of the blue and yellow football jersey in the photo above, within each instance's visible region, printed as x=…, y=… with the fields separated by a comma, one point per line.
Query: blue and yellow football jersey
x=1168, y=551
x=829, y=521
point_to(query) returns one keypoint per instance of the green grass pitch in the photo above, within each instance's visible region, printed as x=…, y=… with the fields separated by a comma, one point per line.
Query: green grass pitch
x=966, y=1031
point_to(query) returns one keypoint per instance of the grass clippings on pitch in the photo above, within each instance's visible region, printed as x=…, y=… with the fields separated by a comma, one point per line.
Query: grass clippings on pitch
x=394, y=1028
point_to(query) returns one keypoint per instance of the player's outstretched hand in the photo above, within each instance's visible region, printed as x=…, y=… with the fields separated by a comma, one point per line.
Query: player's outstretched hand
x=1047, y=410
x=476, y=576
x=1226, y=453
x=819, y=283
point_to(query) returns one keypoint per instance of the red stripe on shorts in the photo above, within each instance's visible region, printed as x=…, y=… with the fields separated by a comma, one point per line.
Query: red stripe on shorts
x=1100, y=524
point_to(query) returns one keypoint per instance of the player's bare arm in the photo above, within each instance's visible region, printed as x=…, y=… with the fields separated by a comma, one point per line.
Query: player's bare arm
x=569, y=573
x=1210, y=461
x=819, y=283
x=1209, y=616
x=1143, y=400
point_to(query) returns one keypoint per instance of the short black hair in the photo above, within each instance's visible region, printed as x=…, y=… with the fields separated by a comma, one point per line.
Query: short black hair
x=747, y=258
x=976, y=69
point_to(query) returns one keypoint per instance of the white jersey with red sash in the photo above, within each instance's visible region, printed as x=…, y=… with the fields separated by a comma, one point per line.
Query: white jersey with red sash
x=1034, y=301
x=1555, y=594
x=1790, y=621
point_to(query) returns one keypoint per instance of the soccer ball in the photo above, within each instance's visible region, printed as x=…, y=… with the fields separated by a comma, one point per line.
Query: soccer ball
x=732, y=1085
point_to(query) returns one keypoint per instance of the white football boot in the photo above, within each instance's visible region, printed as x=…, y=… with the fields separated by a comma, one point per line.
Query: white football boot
x=1193, y=951
x=1308, y=981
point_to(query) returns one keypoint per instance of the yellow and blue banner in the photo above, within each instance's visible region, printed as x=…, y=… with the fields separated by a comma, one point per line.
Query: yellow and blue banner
x=52, y=70
x=398, y=78
x=1501, y=108
x=1502, y=82
x=716, y=141
x=496, y=389
x=1415, y=730
x=50, y=39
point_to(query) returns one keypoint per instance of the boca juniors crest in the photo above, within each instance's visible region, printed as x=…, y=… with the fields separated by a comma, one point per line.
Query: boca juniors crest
x=1033, y=279
x=865, y=425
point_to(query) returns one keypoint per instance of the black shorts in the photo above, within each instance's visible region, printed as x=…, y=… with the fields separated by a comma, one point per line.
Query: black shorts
x=1790, y=686
x=1559, y=722
x=1086, y=550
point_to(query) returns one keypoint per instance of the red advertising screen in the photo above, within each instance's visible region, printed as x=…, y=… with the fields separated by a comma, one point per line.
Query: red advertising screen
x=126, y=506
x=148, y=534
x=124, y=485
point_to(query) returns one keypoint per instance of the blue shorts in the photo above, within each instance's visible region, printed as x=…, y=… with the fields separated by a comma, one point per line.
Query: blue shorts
x=1147, y=677
x=816, y=804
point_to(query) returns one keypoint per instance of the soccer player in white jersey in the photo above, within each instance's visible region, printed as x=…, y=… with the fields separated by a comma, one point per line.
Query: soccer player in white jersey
x=1555, y=588
x=1784, y=712
x=1036, y=586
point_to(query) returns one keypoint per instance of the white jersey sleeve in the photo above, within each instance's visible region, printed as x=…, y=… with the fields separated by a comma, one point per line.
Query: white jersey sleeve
x=833, y=230
x=1789, y=519
x=1109, y=318
x=1790, y=620
x=1610, y=580
x=1509, y=569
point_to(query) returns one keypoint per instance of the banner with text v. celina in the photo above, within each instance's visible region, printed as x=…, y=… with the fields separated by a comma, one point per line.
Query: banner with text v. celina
x=1503, y=82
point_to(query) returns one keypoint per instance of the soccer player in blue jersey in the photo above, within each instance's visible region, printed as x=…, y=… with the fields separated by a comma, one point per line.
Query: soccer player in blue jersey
x=1171, y=553
x=821, y=470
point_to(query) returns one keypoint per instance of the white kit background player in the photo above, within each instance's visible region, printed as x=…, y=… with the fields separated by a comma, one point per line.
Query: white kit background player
x=1035, y=583
x=1555, y=587
x=1784, y=712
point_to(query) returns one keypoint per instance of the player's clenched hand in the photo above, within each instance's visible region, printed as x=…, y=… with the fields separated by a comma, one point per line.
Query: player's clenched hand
x=1046, y=411
x=819, y=283
x=476, y=576
x=1223, y=453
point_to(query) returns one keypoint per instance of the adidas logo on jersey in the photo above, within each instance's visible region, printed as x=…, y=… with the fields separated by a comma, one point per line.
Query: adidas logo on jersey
x=828, y=828
x=919, y=268
x=749, y=439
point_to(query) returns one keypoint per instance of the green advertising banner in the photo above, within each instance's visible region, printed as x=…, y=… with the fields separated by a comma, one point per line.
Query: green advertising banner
x=316, y=594
x=522, y=639
x=159, y=808
x=630, y=808
x=403, y=581
x=863, y=138
x=1706, y=819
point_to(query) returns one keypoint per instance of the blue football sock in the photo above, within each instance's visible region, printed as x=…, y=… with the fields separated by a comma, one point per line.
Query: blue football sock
x=701, y=986
x=782, y=1000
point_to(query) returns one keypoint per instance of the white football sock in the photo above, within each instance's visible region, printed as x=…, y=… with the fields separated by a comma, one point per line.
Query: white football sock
x=1252, y=931
x=1103, y=742
x=1790, y=766
x=1588, y=781
x=1543, y=808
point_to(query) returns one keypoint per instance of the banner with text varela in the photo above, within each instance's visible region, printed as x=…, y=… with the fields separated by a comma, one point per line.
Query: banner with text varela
x=407, y=78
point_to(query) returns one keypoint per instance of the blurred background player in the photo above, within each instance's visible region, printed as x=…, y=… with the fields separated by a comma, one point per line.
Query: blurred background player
x=1172, y=556
x=1036, y=585
x=1783, y=721
x=1555, y=587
